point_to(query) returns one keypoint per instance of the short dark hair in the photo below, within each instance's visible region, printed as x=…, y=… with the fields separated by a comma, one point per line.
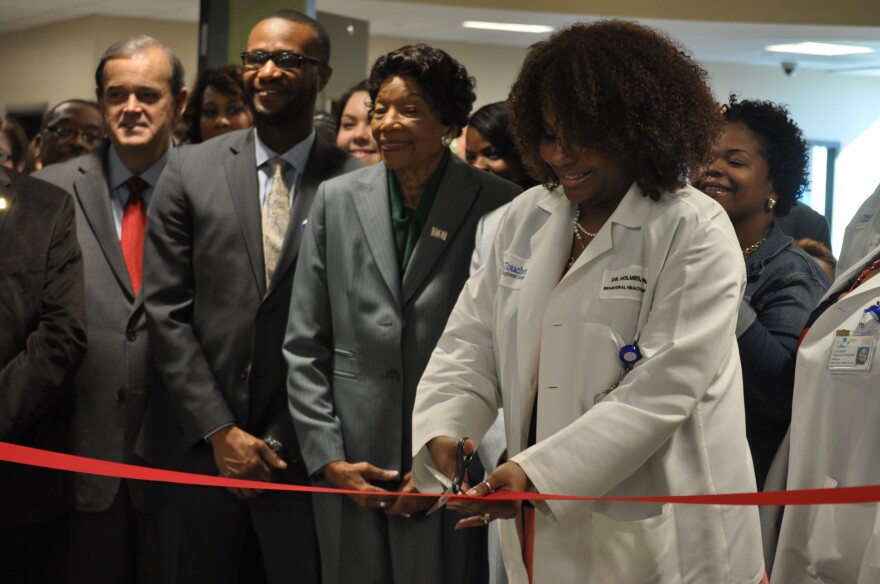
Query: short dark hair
x=226, y=80
x=323, y=39
x=617, y=87
x=492, y=121
x=444, y=79
x=783, y=145
x=51, y=112
x=134, y=46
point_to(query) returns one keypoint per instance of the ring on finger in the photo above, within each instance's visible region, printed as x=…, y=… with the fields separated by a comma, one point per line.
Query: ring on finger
x=382, y=504
x=488, y=486
x=486, y=518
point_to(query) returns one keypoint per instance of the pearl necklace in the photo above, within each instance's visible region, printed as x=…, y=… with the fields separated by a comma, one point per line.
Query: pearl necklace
x=752, y=248
x=578, y=230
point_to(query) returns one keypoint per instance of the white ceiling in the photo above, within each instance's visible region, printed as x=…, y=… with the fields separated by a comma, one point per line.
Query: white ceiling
x=709, y=41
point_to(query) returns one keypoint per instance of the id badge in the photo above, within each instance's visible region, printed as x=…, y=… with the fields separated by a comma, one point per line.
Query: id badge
x=853, y=353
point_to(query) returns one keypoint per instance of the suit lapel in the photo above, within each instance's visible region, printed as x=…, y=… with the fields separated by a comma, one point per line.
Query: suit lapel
x=374, y=211
x=456, y=195
x=8, y=194
x=319, y=167
x=93, y=194
x=241, y=175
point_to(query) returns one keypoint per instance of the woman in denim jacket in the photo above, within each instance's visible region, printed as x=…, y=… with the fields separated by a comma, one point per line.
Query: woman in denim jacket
x=758, y=171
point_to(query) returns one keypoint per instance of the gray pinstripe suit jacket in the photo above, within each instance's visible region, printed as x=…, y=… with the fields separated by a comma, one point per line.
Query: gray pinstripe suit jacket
x=359, y=335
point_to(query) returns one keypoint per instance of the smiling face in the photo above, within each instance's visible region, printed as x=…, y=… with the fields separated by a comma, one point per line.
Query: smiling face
x=588, y=178
x=280, y=97
x=354, y=129
x=480, y=153
x=407, y=126
x=138, y=106
x=221, y=113
x=738, y=177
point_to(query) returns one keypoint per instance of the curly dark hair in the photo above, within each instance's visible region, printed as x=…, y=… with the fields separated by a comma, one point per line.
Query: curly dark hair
x=783, y=145
x=227, y=80
x=444, y=79
x=620, y=88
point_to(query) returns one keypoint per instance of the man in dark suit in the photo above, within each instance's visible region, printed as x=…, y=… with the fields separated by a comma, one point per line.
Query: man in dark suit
x=222, y=242
x=42, y=339
x=141, y=94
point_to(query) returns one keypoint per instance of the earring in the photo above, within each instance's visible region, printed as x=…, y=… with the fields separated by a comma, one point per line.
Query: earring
x=446, y=140
x=771, y=203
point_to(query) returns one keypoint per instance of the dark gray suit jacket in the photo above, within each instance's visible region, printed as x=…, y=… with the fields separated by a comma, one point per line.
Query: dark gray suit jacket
x=116, y=376
x=42, y=338
x=217, y=328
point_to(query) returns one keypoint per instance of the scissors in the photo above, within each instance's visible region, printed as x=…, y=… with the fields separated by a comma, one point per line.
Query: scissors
x=462, y=461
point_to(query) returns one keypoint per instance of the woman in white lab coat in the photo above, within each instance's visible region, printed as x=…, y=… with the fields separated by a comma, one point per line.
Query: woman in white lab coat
x=622, y=254
x=835, y=436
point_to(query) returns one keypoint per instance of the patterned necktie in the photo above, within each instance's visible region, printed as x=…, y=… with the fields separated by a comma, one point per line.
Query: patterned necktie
x=276, y=216
x=134, y=225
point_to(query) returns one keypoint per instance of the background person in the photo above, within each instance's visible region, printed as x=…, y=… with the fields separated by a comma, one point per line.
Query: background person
x=820, y=254
x=353, y=123
x=218, y=104
x=72, y=128
x=384, y=256
x=758, y=170
x=490, y=145
x=540, y=328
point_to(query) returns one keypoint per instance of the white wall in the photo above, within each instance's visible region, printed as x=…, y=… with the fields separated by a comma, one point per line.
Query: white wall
x=44, y=65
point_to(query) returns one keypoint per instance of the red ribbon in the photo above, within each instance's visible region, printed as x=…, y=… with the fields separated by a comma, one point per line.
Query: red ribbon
x=68, y=462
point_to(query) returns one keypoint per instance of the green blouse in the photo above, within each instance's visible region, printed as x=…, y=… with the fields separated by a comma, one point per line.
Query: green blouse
x=406, y=223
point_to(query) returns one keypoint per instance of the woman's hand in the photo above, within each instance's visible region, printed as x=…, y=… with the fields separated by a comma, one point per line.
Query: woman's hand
x=406, y=506
x=442, y=450
x=510, y=477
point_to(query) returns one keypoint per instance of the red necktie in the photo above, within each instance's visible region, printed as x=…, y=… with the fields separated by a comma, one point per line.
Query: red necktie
x=134, y=225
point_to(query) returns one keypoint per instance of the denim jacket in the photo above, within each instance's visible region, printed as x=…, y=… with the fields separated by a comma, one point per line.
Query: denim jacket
x=784, y=285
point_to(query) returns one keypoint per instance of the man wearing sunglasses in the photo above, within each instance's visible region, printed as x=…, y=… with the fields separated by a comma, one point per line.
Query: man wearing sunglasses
x=70, y=129
x=223, y=237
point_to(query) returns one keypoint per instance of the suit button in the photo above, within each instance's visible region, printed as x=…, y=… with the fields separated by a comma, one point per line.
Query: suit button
x=131, y=335
x=244, y=372
x=120, y=395
x=392, y=376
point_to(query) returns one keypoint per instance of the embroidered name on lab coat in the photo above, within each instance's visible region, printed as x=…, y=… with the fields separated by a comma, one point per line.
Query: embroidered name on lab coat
x=628, y=284
x=512, y=271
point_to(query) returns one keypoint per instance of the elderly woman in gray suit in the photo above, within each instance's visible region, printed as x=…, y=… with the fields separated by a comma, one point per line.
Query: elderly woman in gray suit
x=385, y=254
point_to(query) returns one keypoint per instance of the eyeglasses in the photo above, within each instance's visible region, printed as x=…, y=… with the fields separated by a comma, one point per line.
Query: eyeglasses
x=89, y=138
x=286, y=60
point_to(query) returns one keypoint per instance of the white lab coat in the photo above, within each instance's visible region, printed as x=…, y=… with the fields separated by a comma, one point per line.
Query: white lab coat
x=862, y=234
x=835, y=442
x=675, y=425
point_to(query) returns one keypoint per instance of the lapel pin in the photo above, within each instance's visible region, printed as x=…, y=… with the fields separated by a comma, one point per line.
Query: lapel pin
x=3, y=203
x=440, y=234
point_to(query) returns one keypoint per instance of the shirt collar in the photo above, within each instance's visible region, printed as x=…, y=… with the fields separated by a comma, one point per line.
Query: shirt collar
x=119, y=173
x=296, y=156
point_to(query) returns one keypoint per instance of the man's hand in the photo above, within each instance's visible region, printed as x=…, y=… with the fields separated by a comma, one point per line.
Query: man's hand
x=239, y=455
x=357, y=477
